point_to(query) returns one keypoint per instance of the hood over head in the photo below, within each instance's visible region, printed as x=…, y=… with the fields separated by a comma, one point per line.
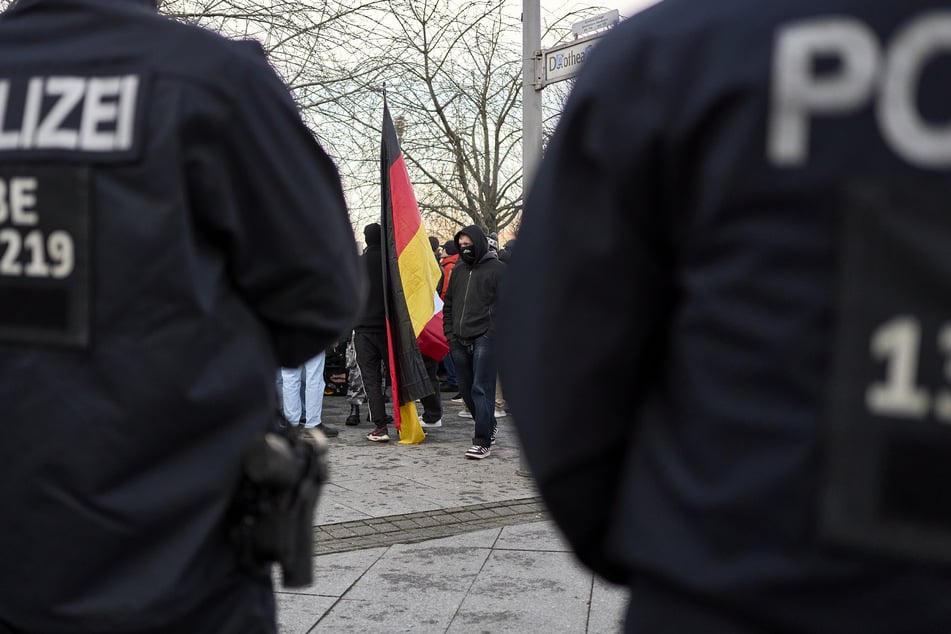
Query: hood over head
x=372, y=233
x=480, y=244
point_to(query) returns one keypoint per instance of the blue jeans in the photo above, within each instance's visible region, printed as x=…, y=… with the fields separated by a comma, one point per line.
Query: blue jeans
x=450, y=368
x=313, y=391
x=475, y=371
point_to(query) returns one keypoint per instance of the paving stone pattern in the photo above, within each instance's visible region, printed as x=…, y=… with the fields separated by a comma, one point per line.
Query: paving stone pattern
x=416, y=538
x=416, y=527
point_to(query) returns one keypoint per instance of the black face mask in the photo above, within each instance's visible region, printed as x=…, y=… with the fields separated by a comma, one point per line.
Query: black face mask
x=467, y=255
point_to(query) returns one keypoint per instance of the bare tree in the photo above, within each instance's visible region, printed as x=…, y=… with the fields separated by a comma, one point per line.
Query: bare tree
x=452, y=73
x=459, y=86
x=314, y=45
x=452, y=70
x=318, y=47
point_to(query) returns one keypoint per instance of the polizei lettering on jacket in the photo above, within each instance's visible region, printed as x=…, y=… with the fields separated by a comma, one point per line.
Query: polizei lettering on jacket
x=68, y=112
x=867, y=71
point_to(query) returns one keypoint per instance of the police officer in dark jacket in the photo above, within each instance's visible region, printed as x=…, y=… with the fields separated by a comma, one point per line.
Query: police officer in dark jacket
x=170, y=233
x=469, y=326
x=768, y=185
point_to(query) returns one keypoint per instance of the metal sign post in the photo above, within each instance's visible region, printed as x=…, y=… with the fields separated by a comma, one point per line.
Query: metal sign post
x=531, y=95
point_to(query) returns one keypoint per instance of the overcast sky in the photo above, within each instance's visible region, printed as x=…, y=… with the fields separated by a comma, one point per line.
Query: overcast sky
x=628, y=7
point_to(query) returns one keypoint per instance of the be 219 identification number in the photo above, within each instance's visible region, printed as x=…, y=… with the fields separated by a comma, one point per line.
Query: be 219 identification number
x=50, y=256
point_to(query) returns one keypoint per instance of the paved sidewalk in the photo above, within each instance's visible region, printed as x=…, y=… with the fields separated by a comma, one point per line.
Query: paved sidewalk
x=416, y=538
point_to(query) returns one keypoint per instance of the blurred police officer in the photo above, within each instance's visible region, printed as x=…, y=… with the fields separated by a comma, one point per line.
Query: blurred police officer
x=767, y=184
x=170, y=233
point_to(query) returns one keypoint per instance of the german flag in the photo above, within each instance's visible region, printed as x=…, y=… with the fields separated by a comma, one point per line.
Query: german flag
x=411, y=274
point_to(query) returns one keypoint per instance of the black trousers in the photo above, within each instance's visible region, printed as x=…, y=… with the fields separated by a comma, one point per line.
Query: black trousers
x=432, y=404
x=373, y=361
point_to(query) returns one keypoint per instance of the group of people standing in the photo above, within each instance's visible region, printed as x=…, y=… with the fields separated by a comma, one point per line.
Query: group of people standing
x=472, y=270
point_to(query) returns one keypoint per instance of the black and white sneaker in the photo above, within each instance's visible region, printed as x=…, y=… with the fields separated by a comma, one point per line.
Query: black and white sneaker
x=477, y=452
x=495, y=431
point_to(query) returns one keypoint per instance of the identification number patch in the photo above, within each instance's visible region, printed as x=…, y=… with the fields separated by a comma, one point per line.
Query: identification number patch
x=44, y=254
x=888, y=455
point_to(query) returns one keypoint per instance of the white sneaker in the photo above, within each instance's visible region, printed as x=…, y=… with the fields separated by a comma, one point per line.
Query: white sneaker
x=464, y=413
x=501, y=413
x=437, y=423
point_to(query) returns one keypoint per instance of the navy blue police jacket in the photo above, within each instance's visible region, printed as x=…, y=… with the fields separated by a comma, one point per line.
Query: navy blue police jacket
x=768, y=184
x=170, y=233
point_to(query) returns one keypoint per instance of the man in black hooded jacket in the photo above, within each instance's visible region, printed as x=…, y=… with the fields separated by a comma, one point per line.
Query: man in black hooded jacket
x=470, y=330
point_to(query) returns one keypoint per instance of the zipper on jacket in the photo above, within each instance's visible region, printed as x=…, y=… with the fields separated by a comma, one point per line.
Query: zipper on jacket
x=465, y=300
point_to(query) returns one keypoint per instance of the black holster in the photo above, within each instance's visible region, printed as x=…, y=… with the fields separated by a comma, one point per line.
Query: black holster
x=273, y=511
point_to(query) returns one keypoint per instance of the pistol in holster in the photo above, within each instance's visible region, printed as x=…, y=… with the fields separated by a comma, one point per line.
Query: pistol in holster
x=273, y=511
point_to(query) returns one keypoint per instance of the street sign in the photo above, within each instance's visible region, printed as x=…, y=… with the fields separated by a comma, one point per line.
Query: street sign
x=596, y=23
x=564, y=61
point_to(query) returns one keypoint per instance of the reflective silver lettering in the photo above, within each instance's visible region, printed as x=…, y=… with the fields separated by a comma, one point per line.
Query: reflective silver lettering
x=96, y=111
x=91, y=114
x=31, y=111
x=798, y=93
x=23, y=201
x=905, y=131
x=125, y=122
x=8, y=138
x=50, y=134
